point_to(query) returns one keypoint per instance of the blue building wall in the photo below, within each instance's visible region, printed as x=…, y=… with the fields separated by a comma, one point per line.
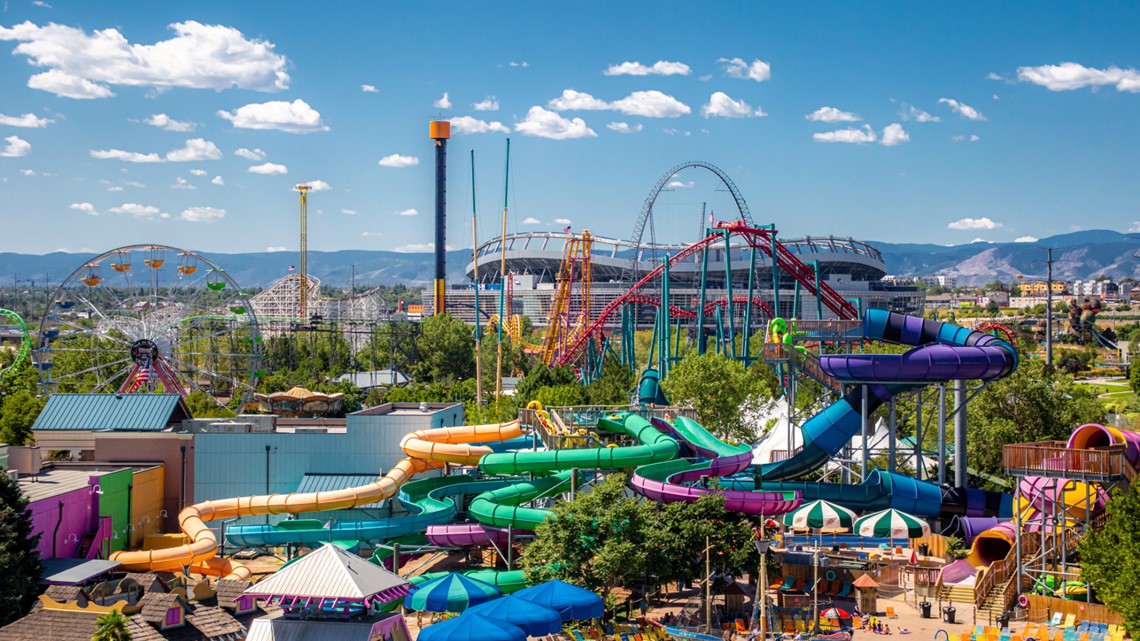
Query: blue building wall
x=230, y=465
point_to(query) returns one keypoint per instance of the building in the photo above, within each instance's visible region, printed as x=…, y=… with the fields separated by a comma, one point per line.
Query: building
x=945, y=282
x=1024, y=302
x=853, y=268
x=1101, y=288
x=1041, y=287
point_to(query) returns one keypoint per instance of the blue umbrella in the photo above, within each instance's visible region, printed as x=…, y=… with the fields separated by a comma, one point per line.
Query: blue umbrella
x=472, y=627
x=451, y=593
x=570, y=601
x=536, y=620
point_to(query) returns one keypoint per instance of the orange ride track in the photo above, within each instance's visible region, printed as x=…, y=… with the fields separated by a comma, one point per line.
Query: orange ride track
x=426, y=450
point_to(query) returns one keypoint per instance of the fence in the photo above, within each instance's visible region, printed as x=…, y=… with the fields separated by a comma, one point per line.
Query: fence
x=1053, y=458
x=1042, y=608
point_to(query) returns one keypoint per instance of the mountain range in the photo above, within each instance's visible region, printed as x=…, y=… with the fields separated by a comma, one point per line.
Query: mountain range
x=1078, y=255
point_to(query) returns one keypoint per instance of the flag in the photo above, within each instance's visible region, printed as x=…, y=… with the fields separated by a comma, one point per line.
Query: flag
x=710, y=218
x=566, y=229
x=913, y=557
x=292, y=268
x=144, y=372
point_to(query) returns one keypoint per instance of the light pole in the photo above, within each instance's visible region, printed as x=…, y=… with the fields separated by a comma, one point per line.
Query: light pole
x=760, y=607
x=814, y=590
x=1048, y=306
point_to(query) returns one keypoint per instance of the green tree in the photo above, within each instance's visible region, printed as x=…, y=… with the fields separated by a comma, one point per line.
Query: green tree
x=1110, y=557
x=18, y=413
x=677, y=541
x=111, y=627
x=540, y=377
x=597, y=541
x=612, y=386
x=992, y=308
x=19, y=560
x=446, y=349
x=720, y=390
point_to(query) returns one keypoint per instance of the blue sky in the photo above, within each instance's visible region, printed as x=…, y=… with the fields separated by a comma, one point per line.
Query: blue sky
x=188, y=123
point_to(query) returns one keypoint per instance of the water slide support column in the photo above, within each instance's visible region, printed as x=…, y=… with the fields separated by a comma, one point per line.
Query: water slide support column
x=702, y=344
x=942, y=434
x=918, y=463
x=892, y=429
x=728, y=294
x=775, y=273
x=864, y=420
x=746, y=343
x=960, y=433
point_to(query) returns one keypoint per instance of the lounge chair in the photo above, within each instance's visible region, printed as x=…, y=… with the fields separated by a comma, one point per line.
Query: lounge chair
x=776, y=585
x=578, y=635
x=834, y=589
x=1070, y=621
x=798, y=586
x=1056, y=620
x=891, y=612
x=822, y=586
x=789, y=626
x=789, y=581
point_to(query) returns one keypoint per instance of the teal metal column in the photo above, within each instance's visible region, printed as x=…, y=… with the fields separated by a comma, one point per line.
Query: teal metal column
x=663, y=353
x=701, y=300
x=818, y=296
x=775, y=274
x=748, y=307
x=728, y=292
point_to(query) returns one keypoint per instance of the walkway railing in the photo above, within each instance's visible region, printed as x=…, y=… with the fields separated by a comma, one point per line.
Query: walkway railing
x=1054, y=459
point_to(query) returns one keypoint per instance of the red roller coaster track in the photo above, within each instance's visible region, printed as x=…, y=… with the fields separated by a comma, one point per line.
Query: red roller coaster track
x=761, y=239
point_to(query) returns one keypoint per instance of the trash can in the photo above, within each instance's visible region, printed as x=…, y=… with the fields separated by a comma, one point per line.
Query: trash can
x=924, y=549
x=948, y=613
x=925, y=607
x=1003, y=621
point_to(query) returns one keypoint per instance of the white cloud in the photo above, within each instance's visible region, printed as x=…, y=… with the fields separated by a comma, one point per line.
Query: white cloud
x=411, y=211
x=522, y=63
x=721, y=105
x=114, y=188
x=963, y=137
x=317, y=185
x=994, y=76
x=681, y=184
x=295, y=117
x=396, y=160
x=27, y=120
x=136, y=210
x=562, y=221
x=41, y=3
x=962, y=109
x=894, y=134
x=531, y=220
x=369, y=89
x=470, y=125
x=219, y=181
x=442, y=103
x=15, y=147
x=268, y=168
x=758, y=70
x=910, y=112
x=419, y=248
x=163, y=121
x=194, y=150
x=487, y=104
x=1069, y=76
x=199, y=172
x=832, y=114
x=549, y=124
x=973, y=224
x=275, y=248
x=659, y=68
x=572, y=100
x=182, y=183
x=981, y=240
x=250, y=154
x=349, y=212
x=651, y=104
x=850, y=135
x=86, y=208
x=368, y=234
x=624, y=127
x=28, y=172
x=202, y=214
x=1026, y=239
x=82, y=65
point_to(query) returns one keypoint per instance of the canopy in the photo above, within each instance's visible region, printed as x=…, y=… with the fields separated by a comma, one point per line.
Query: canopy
x=472, y=627
x=835, y=613
x=892, y=524
x=820, y=514
x=451, y=592
x=536, y=620
x=570, y=601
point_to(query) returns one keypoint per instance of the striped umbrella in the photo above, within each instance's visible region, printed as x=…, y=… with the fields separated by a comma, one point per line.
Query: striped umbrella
x=451, y=593
x=835, y=613
x=818, y=515
x=892, y=524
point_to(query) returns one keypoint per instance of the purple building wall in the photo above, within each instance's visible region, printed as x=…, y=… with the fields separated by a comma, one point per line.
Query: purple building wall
x=76, y=513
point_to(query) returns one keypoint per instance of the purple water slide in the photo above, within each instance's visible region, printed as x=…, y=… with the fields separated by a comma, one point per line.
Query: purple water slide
x=1092, y=435
x=766, y=503
x=466, y=535
x=969, y=527
x=922, y=364
x=957, y=572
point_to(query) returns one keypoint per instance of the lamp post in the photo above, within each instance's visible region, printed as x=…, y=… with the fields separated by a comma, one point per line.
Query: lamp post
x=760, y=607
x=815, y=558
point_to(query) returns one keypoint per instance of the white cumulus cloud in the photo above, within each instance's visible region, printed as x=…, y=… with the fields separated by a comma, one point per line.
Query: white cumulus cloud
x=27, y=172
x=414, y=248
x=369, y=89
x=442, y=103
x=849, y=135
x=562, y=221
x=268, y=168
x=966, y=224
x=86, y=208
x=371, y=234
x=86, y=65
x=659, y=68
x=163, y=121
x=681, y=184
x=396, y=160
x=182, y=183
x=199, y=172
x=27, y=120
x=624, y=127
x=219, y=181
x=549, y=124
x=910, y=112
x=471, y=125
x=295, y=117
x=651, y=104
x=15, y=147
x=202, y=214
x=411, y=211
x=275, y=248
x=531, y=220
x=962, y=109
x=522, y=63
x=250, y=154
x=832, y=114
x=757, y=70
x=722, y=106
x=487, y=104
x=349, y=212
x=894, y=134
x=195, y=149
x=1026, y=239
x=317, y=185
x=1069, y=76
x=137, y=210
x=572, y=100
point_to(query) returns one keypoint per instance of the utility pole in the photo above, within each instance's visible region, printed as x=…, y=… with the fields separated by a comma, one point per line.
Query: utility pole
x=708, y=585
x=1049, y=308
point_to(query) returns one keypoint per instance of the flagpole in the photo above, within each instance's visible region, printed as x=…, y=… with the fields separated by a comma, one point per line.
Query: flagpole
x=475, y=279
x=502, y=278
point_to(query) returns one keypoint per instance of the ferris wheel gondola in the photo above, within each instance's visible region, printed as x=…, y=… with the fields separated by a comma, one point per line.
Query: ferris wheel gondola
x=169, y=329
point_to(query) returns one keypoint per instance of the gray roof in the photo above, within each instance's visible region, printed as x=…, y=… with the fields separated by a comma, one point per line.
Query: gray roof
x=266, y=629
x=75, y=571
x=117, y=412
x=326, y=482
x=332, y=573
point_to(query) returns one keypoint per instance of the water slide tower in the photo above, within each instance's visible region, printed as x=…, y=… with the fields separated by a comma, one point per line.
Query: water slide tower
x=440, y=131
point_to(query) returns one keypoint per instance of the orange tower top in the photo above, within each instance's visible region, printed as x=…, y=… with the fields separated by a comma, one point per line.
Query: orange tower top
x=439, y=129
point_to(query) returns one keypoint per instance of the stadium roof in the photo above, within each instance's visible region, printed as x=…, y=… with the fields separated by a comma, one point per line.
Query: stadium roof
x=112, y=412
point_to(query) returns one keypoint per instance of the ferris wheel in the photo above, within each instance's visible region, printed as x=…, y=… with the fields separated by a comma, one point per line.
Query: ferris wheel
x=150, y=319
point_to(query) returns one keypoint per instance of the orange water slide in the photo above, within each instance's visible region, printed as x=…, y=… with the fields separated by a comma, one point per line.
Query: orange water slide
x=426, y=449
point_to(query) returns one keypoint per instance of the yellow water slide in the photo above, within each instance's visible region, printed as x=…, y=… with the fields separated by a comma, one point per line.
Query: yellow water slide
x=426, y=449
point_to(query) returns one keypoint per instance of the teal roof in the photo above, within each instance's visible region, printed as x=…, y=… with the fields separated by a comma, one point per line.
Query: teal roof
x=112, y=412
